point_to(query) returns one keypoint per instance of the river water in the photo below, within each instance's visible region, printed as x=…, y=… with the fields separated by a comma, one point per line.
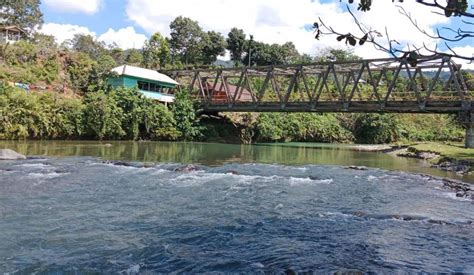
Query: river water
x=193, y=208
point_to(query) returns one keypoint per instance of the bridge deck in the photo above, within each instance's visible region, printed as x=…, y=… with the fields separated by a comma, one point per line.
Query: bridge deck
x=336, y=106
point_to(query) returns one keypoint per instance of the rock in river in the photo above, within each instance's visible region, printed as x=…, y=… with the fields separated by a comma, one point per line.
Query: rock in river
x=7, y=154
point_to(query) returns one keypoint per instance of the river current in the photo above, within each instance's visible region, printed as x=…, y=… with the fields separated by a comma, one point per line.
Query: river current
x=78, y=213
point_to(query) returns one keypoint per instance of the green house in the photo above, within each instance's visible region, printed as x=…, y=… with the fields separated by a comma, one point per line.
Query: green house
x=150, y=82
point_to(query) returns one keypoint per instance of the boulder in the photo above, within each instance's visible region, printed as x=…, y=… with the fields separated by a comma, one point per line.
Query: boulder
x=7, y=154
x=186, y=169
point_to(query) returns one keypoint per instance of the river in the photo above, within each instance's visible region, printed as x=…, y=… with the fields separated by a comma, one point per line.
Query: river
x=200, y=208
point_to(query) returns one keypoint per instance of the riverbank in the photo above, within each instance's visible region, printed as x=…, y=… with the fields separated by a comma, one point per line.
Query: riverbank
x=447, y=157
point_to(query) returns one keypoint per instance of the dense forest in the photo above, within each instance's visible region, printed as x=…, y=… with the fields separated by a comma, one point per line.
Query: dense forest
x=67, y=96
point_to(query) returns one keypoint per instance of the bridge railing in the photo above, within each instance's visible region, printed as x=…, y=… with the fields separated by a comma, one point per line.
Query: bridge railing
x=433, y=84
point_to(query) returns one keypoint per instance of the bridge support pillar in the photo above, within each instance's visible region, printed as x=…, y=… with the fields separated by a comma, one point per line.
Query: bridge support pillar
x=469, y=136
x=467, y=119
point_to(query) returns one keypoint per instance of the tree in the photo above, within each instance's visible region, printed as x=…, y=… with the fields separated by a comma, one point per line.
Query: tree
x=159, y=122
x=134, y=57
x=260, y=53
x=25, y=14
x=214, y=45
x=102, y=116
x=376, y=128
x=87, y=44
x=118, y=55
x=186, y=39
x=274, y=54
x=286, y=53
x=337, y=55
x=185, y=116
x=305, y=59
x=235, y=43
x=131, y=102
x=156, y=52
x=100, y=73
x=79, y=67
x=445, y=36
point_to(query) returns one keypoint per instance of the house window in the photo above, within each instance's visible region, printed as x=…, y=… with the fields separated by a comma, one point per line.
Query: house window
x=146, y=86
x=152, y=87
x=143, y=86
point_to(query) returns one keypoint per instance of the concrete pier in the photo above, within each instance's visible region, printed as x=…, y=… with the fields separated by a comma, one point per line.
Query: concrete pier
x=467, y=120
x=469, y=139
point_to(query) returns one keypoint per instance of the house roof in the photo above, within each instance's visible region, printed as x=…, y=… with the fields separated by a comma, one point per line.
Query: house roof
x=144, y=74
x=12, y=28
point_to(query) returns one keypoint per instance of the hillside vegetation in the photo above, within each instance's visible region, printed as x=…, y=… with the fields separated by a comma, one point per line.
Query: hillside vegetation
x=68, y=96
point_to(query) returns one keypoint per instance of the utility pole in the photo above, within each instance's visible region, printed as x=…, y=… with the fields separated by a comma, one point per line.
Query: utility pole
x=250, y=49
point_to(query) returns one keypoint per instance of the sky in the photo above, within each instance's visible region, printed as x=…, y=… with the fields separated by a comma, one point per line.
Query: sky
x=128, y=23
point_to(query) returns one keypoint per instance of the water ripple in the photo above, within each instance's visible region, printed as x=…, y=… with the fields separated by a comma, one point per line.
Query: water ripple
x=84, y=215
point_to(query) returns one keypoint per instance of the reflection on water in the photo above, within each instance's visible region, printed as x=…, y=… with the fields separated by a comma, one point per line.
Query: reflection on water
x=217, y=154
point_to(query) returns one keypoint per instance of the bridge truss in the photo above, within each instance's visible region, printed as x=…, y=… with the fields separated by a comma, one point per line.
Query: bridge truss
x=433, y=85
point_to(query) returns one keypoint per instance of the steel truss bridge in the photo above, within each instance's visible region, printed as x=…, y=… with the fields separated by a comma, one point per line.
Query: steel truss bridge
x=433, y=85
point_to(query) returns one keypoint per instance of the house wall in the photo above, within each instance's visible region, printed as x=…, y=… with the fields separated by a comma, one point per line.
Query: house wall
x=130, y=82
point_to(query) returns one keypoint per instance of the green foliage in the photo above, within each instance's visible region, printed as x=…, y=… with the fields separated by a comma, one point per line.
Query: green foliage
x=214, y=45
x=186, y=39
x=156, y=52
x=103, y=116
x=266, y=54
x=80, y=66
x=67, y=118
x=185, y=116
x=429, y=127
x=87, y=44
x=25, y=14
x=235, y=43
x=270, y=127
x=159, y=122
x=20, y=53
x=376, y=128
x=301, y=127
x=336, y=55
x=134, y=57
x=118, y=55
x=117, y=114
x=47, y=70
x=46, y=115
x=100, y=72
x=469, y=79
x=131, y=102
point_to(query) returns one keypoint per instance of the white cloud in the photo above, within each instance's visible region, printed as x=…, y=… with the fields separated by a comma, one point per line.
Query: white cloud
x=75, y=6
x=467, y=51
x=63, y=32
x=279, y=21
x=125, y=38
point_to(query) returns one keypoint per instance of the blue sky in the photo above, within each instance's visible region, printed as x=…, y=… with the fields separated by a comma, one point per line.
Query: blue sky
x=110, y=15
x=129, y=22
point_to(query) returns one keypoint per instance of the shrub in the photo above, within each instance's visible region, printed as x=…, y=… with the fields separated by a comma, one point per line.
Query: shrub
x=102, y=116
x=159, y=122
x=185, y=116
x=376, y=128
